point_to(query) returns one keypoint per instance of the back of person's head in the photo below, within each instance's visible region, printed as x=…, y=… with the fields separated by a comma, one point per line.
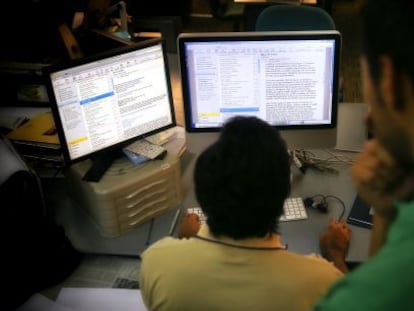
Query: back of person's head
x=243, y=179
x=388, y=29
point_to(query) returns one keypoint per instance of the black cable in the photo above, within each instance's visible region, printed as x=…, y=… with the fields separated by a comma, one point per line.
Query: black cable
x=341, y=202
x=322, y=205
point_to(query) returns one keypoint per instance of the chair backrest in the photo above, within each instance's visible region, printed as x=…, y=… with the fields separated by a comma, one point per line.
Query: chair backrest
x=28, y=227
x=282, y=17
x=285, y=17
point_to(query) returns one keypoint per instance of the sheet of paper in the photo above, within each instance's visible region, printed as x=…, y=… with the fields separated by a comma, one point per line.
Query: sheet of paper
x=39, y=302
x=101, y=299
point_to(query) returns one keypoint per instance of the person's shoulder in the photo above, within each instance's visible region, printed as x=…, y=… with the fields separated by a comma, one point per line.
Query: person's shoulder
x=318, y=259
x=167, y=245
x=316, y=263
x=324, y=264
x=311, y=257
x=165, y=242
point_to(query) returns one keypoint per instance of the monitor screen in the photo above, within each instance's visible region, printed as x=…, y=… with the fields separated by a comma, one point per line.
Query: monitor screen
x=289, y=79
x=104, y=102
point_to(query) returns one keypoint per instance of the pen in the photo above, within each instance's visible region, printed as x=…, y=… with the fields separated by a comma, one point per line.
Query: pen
x=148, y=242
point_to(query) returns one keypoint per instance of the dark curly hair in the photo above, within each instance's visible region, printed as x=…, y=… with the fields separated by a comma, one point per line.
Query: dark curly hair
x=243, y=179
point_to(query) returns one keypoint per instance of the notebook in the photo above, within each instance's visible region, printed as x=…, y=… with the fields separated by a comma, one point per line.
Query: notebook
x=361, y=214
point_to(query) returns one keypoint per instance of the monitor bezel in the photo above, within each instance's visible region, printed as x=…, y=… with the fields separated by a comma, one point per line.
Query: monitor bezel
x=48, y=71
x=185, y=38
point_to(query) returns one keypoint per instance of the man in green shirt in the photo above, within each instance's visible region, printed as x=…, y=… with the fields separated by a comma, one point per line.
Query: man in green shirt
x=383, y=171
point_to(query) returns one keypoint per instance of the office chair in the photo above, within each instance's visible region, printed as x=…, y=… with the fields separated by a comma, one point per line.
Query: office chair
x=294, y=17
x=37, y=253
x=229, y=11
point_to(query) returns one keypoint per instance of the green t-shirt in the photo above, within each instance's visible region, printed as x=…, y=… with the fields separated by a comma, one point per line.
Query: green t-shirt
x=386, y=280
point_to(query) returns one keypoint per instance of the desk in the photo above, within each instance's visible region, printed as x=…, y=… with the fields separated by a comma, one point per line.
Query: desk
x=301, y=236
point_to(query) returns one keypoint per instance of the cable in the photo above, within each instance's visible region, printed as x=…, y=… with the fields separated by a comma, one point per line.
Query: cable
x=322, y=204
x=341, y=202
x=309, y=160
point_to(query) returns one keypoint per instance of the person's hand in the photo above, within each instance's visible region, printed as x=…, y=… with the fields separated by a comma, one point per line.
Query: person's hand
x=334, y=243
x=189, y=226
x=379, y=179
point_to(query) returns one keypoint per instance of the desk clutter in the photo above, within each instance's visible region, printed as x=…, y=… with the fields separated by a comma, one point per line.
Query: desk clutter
x=156, y=146
x=36, y=138
x=127, y=195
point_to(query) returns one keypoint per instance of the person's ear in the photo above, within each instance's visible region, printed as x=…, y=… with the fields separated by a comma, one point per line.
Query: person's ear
x=387, y=85
x=395, y=88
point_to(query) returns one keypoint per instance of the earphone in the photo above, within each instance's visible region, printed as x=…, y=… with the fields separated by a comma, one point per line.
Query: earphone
x=320, y=202
x=321, y=206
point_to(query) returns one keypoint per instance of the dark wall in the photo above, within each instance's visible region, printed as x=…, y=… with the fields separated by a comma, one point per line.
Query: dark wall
x=28, y=28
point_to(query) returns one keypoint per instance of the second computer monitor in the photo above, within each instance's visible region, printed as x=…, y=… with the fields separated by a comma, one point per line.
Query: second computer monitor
x=104, y=102
x=289, y=79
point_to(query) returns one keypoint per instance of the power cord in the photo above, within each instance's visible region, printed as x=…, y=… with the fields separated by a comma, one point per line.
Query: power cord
x=305, y=159
x=320, y=202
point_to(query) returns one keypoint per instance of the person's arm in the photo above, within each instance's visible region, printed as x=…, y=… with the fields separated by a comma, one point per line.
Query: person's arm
x=189, y=226
x=339, y=262
x=334, y=243
x=380, y=181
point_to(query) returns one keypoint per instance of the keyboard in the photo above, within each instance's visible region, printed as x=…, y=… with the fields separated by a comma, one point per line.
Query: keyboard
x=199, y=212
x=294, y=209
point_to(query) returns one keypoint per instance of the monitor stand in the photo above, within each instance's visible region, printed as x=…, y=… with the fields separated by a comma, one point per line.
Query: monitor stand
x=101, y=163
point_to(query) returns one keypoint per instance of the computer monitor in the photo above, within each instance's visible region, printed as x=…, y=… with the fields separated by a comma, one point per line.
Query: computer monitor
x=289, y=79
x=104, y=102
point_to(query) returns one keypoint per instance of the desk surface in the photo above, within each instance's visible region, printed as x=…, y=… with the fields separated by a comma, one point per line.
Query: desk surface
x=302, y=235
